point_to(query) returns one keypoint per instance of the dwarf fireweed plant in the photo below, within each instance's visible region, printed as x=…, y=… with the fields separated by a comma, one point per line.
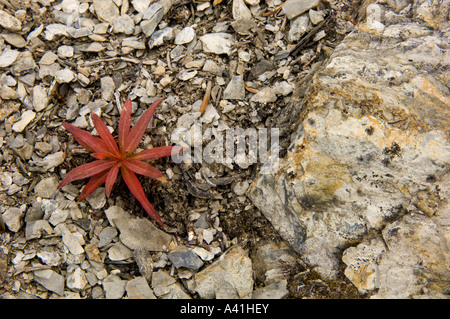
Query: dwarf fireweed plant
x=112, y=158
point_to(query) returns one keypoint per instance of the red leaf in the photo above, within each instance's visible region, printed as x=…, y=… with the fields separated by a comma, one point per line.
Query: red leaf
x=139, y=129
x=111, y=178
x=135, y=188
x=101, y=155
x=95, y=182
x=87, y=140
x=145, y=169
x=124, y=124
x=86, y=170
x=105, y=134
x=157, y=152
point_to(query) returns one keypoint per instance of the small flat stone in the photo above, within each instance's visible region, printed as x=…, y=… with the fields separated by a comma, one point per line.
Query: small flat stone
x=46, y=187
x=152, y=16
x=23, y=64
x=212, y=67
x=73, y=242
x=9, y=22
x=97, y=199
x=276, y=290
x=55, y=29
x=119, y=251
x=92, y=47
x=218, y=43
x=316, y=16
x=202, y=222
x=282, y=88
x=298, y=27
x=50, y=280
x=106, y=236
x=65, y=51
x=106, y=10
x=13, y=218
x=144, y=261
x=43, y=148
x=187, y=75
x=319, y=35
x=58, y=216
x=123, y=24
x=77, y=33
x=116, y=212
x=47, y=71
x=48, y=58
x=134, y=42
x=266, y=95
x=186, y=120
x=76, y=279
x=140, y=5
x=185, y=258
x=34, y=212
x=244, y=56
x=101, y=28
x=19, y=179
x=36, y=228
x=160, y=70
x=5, y=180
x=8, y=57
x=242, y=17
x=207, y=255
x=83, y=80
x=294, y=8
x=138, y=288
x=211, y=115
x=159, y=37
x=7, y=93
x=93, y=253
x=161, y=282
x=14, y=39
x=261, y=67
x=240, y=188
x=208, y=235
x=49, y=256
x=114, y=287
x=25, y=119
x=64, y=76
x=186, y=35
x=202, y=6
x=196, y=64
x=52, y=160
x=235, y=89
x=39, y=98
x=108, y=87
x=139, y=232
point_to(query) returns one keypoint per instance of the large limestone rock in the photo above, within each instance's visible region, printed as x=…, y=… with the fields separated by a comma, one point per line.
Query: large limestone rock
x=370, y=149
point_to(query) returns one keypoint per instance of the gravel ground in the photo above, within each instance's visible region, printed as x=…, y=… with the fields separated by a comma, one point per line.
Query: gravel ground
x=59, y=60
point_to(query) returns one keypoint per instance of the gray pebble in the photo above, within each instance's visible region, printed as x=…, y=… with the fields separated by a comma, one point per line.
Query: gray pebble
x=50, y=280
x=114, y=287
x=13, y=218
x=186, y=35
x=106, y=236
x=185, y=259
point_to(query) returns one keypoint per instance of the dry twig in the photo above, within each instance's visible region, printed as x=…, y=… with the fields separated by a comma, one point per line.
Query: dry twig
x=206, y=97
